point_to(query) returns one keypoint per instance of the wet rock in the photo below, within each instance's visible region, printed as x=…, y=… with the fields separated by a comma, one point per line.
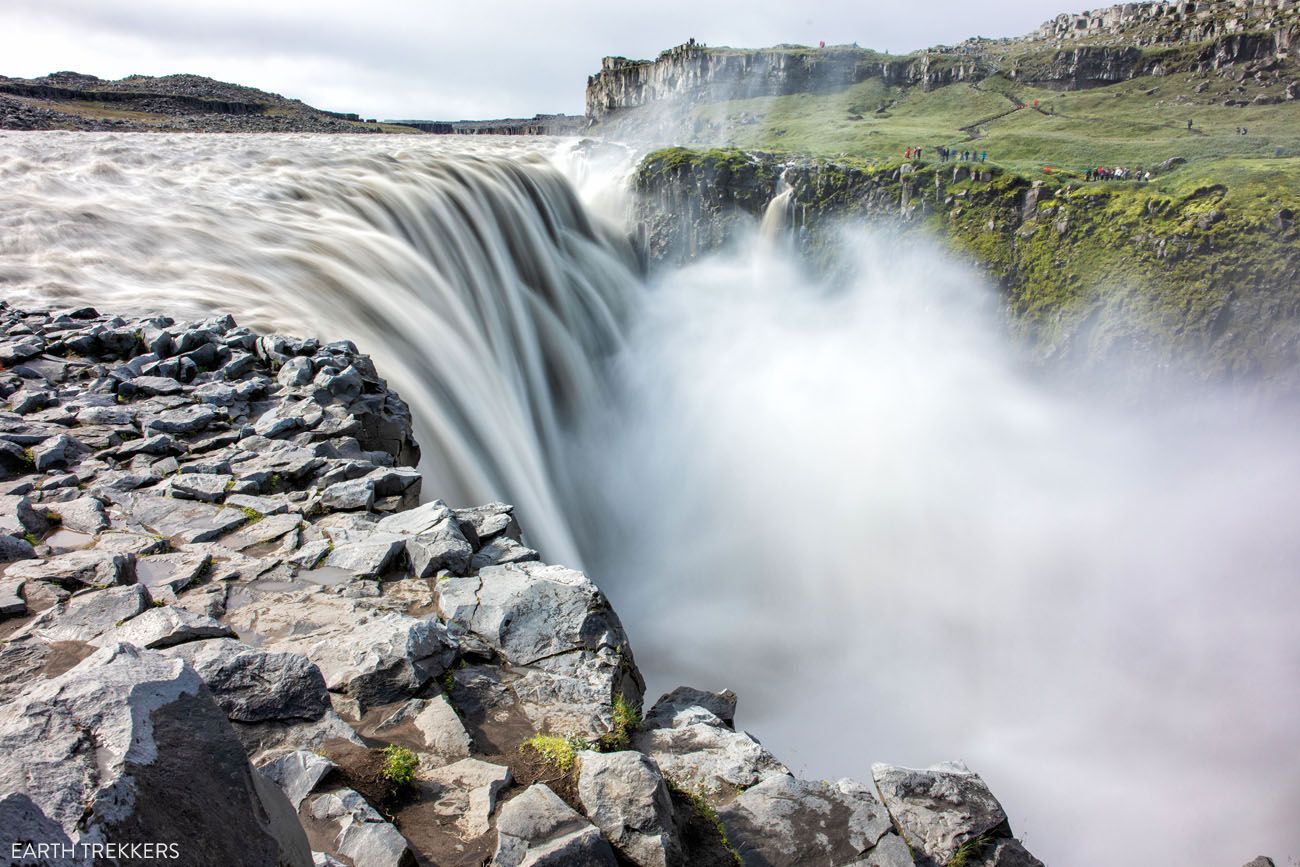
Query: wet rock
x=537, y=829
x=255, y=685
x=166, y=574
x=153, y=724
x=626, y=797
x=938, y=809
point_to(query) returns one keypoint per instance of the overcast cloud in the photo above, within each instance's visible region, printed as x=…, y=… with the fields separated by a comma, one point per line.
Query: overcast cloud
x=443, y=60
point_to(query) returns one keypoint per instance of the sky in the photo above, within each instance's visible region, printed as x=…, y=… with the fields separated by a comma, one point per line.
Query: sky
x=448, y=61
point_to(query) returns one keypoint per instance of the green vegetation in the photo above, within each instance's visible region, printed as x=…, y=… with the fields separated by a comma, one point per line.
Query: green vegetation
x=249, y=512
x=1138, y=122
x=32, y=539
x=704, y=810
x=627, y=719
x=1200, y=263
x=559, y=752
x=399, y=766
x=970, y=851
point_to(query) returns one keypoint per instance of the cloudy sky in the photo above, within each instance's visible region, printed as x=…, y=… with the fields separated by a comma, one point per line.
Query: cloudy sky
x=451, y=60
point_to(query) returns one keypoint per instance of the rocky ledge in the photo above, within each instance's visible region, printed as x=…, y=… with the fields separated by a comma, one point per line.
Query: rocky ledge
x=232, y=634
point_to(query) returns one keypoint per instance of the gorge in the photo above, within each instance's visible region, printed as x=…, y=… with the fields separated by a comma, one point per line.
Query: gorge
x=856, y=501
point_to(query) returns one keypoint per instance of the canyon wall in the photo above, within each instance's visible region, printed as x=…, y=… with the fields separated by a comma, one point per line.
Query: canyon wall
x=1090, y=274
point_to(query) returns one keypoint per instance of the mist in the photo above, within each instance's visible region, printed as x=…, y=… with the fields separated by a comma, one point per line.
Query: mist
x=861, y=507
x=865, y=513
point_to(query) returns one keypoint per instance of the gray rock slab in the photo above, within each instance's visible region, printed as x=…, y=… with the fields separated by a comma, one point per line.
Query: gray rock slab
x=625, y=796
x=154, y=728
x=537, y=829
x=256, y=685
x=939, y=808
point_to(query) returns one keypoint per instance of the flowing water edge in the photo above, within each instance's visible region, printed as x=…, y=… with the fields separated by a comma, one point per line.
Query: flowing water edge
x=855, y=505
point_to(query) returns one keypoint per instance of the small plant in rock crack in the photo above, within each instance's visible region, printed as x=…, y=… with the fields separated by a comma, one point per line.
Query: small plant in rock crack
x=967, y=853
x=399, y=766
x=559, y=752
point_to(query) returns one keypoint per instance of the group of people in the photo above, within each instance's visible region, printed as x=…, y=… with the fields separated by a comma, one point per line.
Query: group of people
x=946, y=154
x=1118, y=173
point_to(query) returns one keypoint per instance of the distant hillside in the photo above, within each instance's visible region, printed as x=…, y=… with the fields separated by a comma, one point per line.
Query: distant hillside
x=1116, y=85
x=170, y=103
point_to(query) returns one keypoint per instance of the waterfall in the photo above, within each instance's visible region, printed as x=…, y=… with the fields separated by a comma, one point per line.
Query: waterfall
x=852, y=504
x=475, y=277
x=776, y=216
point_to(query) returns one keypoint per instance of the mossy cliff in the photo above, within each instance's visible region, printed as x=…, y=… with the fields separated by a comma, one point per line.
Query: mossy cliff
x=1188, y=273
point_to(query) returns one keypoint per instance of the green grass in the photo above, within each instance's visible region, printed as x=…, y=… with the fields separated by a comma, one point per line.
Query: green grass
x=700, y=804
x=968, y=852
x=627, y=719
x=399, y=766
x=558, y=751
x=1134, y=123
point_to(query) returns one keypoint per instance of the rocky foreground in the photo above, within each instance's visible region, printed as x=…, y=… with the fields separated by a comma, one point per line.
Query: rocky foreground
x=232, y=635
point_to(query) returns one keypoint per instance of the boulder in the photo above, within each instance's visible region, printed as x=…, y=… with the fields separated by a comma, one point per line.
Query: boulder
x=529, y=611
x=500, y=551
x=537, y=829
x=256, y=685
x=696, y=748
x=12, y=549
x=938, y=809
x=371, y=658
x=626, y=797
x=129, y=748
x=369, y=557
x=90, y=613
x=784, y=822
x=83, y=515
x=297, y=773
x=352, y=495
x=78, y=568
x=204, y=487
x=12, y=602
x=165, y=626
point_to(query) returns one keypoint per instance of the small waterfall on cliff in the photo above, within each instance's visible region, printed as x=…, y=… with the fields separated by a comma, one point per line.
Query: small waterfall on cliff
x=851, y=504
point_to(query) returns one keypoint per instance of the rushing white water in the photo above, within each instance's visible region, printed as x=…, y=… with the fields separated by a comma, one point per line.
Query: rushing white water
x=855, y=507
